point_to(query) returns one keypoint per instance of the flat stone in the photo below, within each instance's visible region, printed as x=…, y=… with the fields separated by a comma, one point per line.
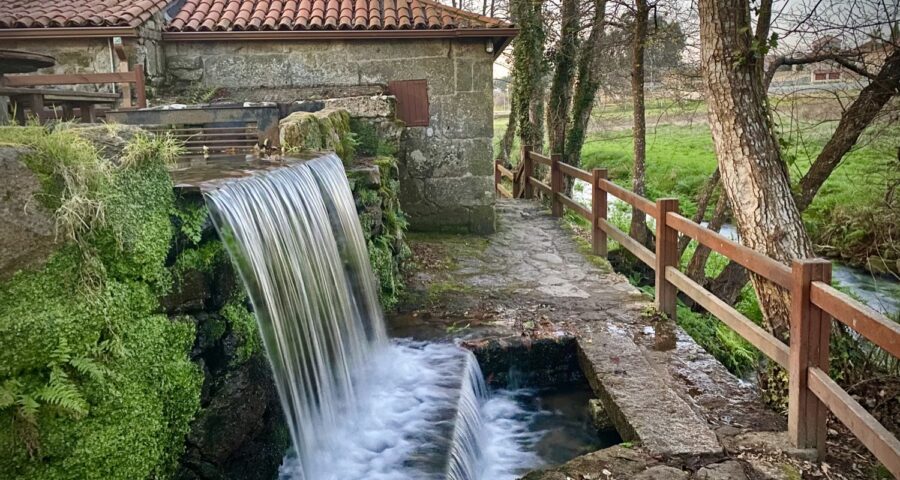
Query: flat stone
x=639, y=401
x=729, y=470
x=662, y=472
x=610, y=463
x=768, y=442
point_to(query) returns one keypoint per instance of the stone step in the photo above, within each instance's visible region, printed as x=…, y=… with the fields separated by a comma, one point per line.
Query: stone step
x=639, y=403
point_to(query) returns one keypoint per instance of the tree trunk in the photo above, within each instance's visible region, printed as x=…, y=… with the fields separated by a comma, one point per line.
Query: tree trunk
x=639, y=230
x=702, y=204
x=506, y=142
x=754, y=176
x=728, y=285
x=696, y=269
x=561, y=86
x=853, y=122
x=528, y=52
x=586, y=86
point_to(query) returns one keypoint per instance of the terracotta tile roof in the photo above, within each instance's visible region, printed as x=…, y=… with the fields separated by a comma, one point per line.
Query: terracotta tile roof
x=77, y=13
x=250, y=15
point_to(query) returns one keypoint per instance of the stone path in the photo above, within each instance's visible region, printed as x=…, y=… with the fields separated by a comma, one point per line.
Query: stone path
x=530, y=284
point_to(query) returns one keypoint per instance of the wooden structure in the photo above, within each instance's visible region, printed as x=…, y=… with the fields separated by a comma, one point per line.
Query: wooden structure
x=19, y=90
x=812, y=393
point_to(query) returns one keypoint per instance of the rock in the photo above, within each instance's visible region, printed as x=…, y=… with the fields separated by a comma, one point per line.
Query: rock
x=618, y=461
x=662, y=472
x=599, y=416
x=767, y=442
x=189, y=293
x=110, y=139
x=364, y=107
x=729, y=470
x=27, y=229
x=366, y=175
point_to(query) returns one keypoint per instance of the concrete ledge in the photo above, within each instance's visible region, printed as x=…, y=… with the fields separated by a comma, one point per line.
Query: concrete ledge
x=640, y=404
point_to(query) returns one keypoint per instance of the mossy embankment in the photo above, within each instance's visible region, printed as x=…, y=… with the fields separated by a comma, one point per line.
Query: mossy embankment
x=95, y=382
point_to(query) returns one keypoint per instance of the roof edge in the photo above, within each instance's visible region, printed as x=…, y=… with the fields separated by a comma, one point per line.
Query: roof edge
x=67, y=32
x=244, y=35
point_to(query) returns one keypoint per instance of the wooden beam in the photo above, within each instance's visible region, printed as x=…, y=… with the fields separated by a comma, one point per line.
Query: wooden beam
x=574, y=172
x=598, y=209
x=576, y=207
x=68, y=79
x=810, y=331
x=527, y=171
x=630, y=198
x=747, y=257
x=666, y=256
x=876, y=327
x=753, y=333
x=556, y=185
x=641, y=252
x=864, y=426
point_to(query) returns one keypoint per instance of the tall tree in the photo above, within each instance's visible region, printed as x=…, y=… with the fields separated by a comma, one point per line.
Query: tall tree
x=587, y=82
x=528, y=70
x=561, y=87
x=753, y=173
x=638, y=229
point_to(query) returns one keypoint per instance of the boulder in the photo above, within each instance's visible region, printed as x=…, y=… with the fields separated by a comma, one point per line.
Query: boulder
x=27, y=228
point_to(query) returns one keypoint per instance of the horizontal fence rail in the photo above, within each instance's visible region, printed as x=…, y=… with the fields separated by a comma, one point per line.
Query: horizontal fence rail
x=135, y=76
x=814, y=302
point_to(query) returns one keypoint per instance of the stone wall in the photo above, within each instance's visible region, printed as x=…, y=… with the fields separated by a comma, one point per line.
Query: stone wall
x=96, y=55
x=445, y=168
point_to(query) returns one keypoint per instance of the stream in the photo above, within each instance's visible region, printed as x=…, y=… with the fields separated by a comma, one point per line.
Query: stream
x=879, y=292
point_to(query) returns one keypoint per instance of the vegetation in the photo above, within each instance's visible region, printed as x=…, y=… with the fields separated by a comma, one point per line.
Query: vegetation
x=99, y=384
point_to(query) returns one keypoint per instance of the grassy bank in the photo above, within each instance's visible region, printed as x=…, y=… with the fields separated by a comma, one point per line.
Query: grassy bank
x=850, y=218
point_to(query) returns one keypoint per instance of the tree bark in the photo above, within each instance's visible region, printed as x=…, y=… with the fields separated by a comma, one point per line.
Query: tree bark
x=586, y=85
x=728, y=284
x=702, y=204
x=561, y=86
x=506, y=142
x=639, y=230
x=528, y=52
x=696, y=269
x=754, y=176
x=872, y=98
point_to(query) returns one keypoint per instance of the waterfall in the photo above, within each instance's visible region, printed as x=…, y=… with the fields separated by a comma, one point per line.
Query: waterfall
x=357, y=405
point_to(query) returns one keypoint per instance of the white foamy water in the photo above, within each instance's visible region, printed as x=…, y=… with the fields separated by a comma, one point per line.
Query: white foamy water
x=357, y=406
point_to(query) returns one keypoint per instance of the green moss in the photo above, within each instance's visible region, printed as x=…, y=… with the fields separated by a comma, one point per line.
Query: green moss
x=191, y=218
x=98, y=385
x=244, y=328
x=317, y=131
x=203, y=258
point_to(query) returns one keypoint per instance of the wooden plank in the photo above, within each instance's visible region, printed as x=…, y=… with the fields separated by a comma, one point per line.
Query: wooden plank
x=503, y=191
x=872, y=434
x=68, y=79
x=575, y=206
x=666, y=296
x=574, y=172
x=543, y=187
x=630, y=244
x=877, y=328
x=75, y=98
x=504, y=172
x=810, y=331
x=537, y=157
x=630, y=198
x=598, y=207
x=747, y=257
x=753, y=333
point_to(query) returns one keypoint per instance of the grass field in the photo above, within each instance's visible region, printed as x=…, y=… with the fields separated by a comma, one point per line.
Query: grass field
x=681, y=157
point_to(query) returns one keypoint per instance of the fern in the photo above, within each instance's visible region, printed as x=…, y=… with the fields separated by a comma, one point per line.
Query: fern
x=63, y=394
x=89, y=368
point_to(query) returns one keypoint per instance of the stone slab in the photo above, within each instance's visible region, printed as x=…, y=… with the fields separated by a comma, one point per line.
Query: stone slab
x=638, y=400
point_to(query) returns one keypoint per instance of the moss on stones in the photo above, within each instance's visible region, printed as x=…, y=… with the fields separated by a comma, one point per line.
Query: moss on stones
x=98, y=384
x=315, y=131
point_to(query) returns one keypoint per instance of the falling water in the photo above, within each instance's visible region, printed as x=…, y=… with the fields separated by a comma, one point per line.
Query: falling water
x=358, y=406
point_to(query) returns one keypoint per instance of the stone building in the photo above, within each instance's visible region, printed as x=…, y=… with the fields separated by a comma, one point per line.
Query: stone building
x=435, y=59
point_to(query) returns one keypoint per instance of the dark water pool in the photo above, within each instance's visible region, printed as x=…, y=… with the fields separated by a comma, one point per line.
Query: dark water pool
x=562, y=418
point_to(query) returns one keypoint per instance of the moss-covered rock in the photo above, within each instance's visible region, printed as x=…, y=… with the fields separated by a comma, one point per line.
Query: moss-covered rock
x=317, y=131
x=98, y=384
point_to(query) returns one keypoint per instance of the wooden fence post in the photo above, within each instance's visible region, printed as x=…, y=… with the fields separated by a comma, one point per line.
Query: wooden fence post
x=598, y=212
x=810, y=332
x=139, y=86
x=666, y=256
x=556, y=183
x=497, y=177
x=527, y=171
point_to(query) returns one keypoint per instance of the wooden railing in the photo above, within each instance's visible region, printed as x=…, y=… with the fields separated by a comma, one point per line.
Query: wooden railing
x=814, y=302
x=136, y=77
